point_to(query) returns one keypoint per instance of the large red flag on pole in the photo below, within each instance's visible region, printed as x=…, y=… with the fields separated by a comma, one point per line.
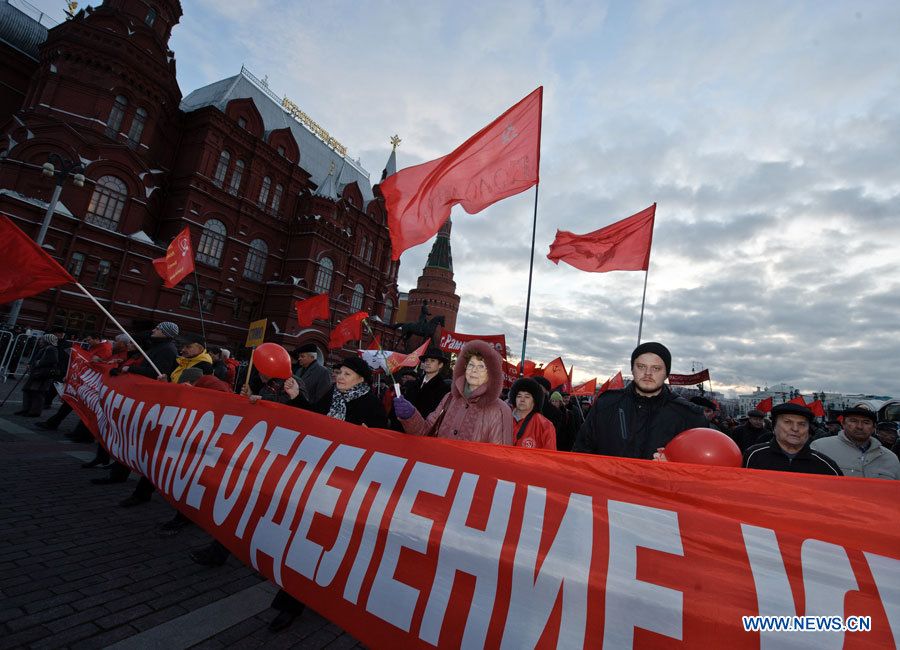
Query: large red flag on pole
x=312, y=308
x=616, y=382
x=765, y=405
x=501, y=160
x=179, y=260
x=349, y=329
x=586, y=389
x=798, y=400
x=27, y=269
x=622, y=246
x=555, y=373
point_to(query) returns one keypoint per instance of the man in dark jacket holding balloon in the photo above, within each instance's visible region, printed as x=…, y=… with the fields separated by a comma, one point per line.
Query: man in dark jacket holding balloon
x=642, y=417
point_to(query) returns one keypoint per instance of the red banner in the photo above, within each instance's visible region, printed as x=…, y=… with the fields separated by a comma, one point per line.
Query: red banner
x=178, y=262
x=689, y=380
x=27, y=269
x=452, y=342
x=510, y=374
x=410, y=542
x=586, y=389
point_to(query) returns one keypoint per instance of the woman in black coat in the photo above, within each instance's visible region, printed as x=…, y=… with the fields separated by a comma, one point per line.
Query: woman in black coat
x=351, y=399
x=41, y=373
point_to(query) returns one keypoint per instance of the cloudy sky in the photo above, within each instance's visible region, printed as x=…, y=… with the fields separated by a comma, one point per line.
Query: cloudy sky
x=767, y=132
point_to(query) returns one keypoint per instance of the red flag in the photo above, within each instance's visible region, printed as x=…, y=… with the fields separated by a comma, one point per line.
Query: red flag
x=817, y=408
x=501, y=160
x=622, y=246
x=376, y=343
x=312, y=308
x=568, y=386
x=349, y=329
x=765, y=405
x=586, y=389
x=27, y=269
x=530, y=368
x=555, y=372
x=613, y=383
x=179, y=260
x=402, y=360
x=798, y=400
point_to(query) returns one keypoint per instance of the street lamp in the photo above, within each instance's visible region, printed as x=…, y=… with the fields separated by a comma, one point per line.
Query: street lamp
x=59, y=168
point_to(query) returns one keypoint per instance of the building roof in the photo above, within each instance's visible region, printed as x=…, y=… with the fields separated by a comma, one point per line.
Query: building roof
x=440, y=256
x=330, y=170
x=20, y=30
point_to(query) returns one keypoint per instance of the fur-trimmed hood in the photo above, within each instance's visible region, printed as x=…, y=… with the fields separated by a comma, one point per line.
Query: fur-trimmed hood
x=531, y=386
x=491, y=389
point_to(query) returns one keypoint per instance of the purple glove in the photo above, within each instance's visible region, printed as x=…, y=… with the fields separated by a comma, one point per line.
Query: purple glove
x=403, y=408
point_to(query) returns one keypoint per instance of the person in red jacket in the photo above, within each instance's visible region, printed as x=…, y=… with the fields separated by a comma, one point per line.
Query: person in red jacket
x=530, y=429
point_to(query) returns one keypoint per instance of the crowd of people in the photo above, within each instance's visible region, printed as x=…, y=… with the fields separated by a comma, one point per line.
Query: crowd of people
x=466, y=401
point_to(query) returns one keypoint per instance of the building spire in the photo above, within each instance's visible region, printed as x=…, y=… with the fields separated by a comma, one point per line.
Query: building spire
x=440, y=256
x=391, y=166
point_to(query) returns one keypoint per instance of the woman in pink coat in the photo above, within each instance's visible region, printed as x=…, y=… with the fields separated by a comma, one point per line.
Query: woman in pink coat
x=472, y=410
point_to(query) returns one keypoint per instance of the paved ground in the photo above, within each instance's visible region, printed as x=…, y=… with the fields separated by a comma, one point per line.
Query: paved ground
x=77, y=571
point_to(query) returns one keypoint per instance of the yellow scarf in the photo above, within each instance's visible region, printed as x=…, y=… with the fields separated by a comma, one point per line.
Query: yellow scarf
x=187, y=362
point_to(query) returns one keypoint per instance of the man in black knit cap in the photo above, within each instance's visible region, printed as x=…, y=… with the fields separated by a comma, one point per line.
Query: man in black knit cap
x=645, y=415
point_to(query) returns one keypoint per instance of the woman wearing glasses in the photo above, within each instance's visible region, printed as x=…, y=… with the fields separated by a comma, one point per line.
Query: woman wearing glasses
x=472, y=410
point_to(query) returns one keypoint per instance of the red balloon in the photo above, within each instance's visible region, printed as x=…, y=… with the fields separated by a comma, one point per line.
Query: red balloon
x=272, y=360
x=704, y=446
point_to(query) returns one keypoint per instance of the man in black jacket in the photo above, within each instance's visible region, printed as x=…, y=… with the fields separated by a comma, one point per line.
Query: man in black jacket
x=426, y=393
x=789, y=450
x=637, y=420
x=161, y=351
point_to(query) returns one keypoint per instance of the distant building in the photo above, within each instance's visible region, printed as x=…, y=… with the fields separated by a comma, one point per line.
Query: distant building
x=277, y=209
x=436, y=285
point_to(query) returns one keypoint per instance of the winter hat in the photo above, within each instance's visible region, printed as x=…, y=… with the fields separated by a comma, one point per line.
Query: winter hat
x=307, y=347
x=556, y=395
x=122, y=338
x=193, y=338
x=50, y=339
x=435, y=352
x=790, y=409
x=190, y=375
x=756, y=413
x=528, y=385
x=860, y=411
x=543, y=382
x=168, y=328
x=358, y=366
x=658, y=349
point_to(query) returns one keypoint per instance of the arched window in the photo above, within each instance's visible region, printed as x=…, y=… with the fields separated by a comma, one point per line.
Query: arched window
x=107, y=202
x=256, y=260
x=221, y=168
x=323, y=276
x=369, y=252
x=236, y=176
x=187, y=296
x=356, y=300
x=212, y=242
x=276, y=198
x=264, y=192
x=115, y=116
x=388, y=311
x=150, y=18
x=206, y=302
x=362, y=247
x=137, y=127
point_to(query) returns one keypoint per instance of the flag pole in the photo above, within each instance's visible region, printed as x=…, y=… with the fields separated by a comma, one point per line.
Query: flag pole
x=200, y=305
x=530, y=275
x=117, y=324
x=646, y=275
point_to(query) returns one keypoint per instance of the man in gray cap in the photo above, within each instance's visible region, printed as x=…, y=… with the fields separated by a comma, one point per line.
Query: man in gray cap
x=162, y=352
x=314, y=378
x=635, y=421
x=856, y=450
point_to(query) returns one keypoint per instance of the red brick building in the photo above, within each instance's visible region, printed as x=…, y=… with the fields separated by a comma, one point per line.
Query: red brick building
x=277, y=209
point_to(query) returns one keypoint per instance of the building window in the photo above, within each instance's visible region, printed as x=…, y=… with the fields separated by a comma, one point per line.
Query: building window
x=76, y=264
x=187, y=296
x=276, y=198
x=356, y=301
x=264, y=192
x=256, y=260
x=388, y=311
x=221, y=168
x=281, y=151
x=237, y=307
x=115, y=116
x=206, y=303
x=236, y=176
x=150, y=18
x=212, y=242
x=323, y=276
x=362, y=247
x=242, y=122
x=137, y=127
x=102, y=278
x=107, y=202
x=369, y=252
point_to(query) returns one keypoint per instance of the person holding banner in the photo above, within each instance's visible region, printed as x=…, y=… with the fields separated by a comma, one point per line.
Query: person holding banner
x=193, y=355
x=531, y=430
x=161, y=352
x=351, y=399
x=639, y=419
x=789, y=449
x=472, y=410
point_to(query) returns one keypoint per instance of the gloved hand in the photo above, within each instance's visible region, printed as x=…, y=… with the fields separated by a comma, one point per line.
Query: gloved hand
x=403, y=408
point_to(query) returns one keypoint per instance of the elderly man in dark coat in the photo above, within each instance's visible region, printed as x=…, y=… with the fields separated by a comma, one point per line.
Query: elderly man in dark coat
x=41, y=372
